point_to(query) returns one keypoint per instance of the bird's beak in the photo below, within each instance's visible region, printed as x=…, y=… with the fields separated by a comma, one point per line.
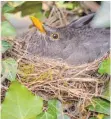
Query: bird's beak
x=38, y=24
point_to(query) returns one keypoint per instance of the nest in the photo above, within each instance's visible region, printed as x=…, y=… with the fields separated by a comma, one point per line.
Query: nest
x=51, y=78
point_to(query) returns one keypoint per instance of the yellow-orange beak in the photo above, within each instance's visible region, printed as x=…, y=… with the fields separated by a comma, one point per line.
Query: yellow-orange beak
x=37, y=24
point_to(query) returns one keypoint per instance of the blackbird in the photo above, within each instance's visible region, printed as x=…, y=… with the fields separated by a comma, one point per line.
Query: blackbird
x=75, y=43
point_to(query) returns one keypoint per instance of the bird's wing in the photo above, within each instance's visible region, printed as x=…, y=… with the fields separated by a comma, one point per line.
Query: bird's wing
x=82, y=21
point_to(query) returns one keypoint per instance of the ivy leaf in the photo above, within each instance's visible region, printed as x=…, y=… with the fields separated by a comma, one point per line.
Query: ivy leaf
x=20, y=103
x=64, y=5
x=7, y=29
x=106, y=92
x=8, y=16
x=99, y=105
x=52, y=107
x=39, y=15
x=105, y=67
x=29, y=8
x=10, y=6
x=7, y=8
x=9, y=68
x=66, y=117
x=93, y=118
x=47, y=14
x=54, y=111
x=45, y=115
x=68, y=5
x=51, y=113
x=102, y=116
x=106, y=117
x=16, y=3
x=5, y=46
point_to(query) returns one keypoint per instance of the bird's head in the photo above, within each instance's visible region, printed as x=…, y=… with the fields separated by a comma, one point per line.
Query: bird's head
x=53, y=34
x=47, y=40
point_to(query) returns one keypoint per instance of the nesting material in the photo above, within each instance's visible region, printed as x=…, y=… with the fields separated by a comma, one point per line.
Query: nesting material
x=51, y=78
x=57, y=78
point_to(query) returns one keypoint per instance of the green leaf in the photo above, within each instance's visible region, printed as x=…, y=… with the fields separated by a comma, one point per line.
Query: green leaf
x=76, y=4
x=16, y=3
x=66, y=117
x=61, y=2
x=51, y=113
x=7, y=8
x=39, y=15
x=29, y=8
x=100, y=116
x=105, y=67
x=99, y=105
x=64, y=5
x=5, y=46
x=93, y=118
x=104, y=117
x=68, y=5
x=20, y=103
x=45, y=115
x=9, y=68
x=63, y=116
x=47, y=14
x=7, y=29
x=106, y=92
x=54, y=111
x=10, y=6
x=8, y=16
x=52, y=107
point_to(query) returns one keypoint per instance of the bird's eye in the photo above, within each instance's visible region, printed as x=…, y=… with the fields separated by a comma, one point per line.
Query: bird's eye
x=55, y=36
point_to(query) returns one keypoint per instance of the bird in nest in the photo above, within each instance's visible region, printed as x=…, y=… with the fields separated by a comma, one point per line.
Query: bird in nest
x=76, y=43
